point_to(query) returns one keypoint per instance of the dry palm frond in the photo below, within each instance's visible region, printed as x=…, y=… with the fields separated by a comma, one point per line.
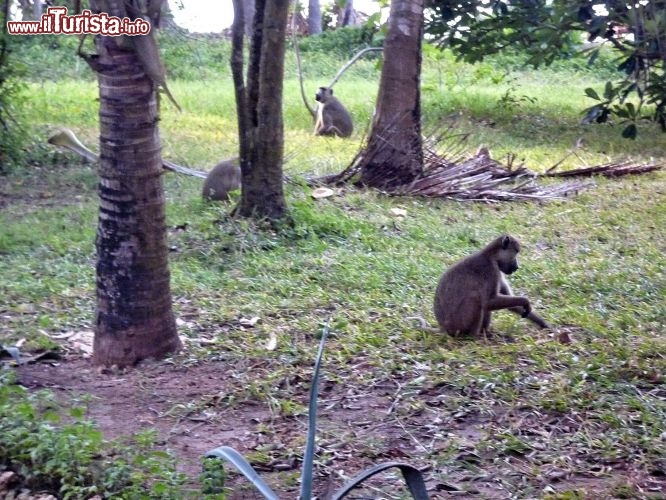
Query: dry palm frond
x=453, y=175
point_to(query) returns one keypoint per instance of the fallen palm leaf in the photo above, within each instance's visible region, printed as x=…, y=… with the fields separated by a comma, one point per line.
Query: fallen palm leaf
x=322, y=192
x=608, y=170
x=13, y=352
x=67, y=139
x=481, y=178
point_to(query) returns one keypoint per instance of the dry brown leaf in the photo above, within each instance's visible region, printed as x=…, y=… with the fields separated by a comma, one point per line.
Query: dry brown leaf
x=271, y=345
x=249, y=321
x=322, y=192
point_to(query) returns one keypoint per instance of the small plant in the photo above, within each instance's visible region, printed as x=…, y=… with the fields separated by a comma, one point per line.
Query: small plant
x=66, y=459
x=212, y=479
x=413, y=477
x=510, y=101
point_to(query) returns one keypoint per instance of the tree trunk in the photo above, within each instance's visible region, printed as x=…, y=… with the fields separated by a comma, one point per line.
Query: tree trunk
x=249, y=7
x=349, y=14
x=394, y=154
x=134, y=318
x=314, y=17
x=37, y=9
x=260, y=123
x=27, y=9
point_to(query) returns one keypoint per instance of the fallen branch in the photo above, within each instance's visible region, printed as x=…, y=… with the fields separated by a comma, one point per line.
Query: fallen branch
x=67, y=139
x=608, y=170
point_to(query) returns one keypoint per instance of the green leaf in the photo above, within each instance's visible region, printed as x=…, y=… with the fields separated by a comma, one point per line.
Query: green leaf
x=413, y=479
x=231, y=455
x=590, y=92
x=631, y=109
x=621, y=112
x=13, y=352
x=608, y=91
x=630, y=131
x=308, y=454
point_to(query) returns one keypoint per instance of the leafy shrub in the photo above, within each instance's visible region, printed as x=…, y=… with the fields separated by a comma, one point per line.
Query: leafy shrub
x=342, y=43
x=12, y=130
x=194, y=57
x=72, y=459
x=605, y=65
x=52, y=57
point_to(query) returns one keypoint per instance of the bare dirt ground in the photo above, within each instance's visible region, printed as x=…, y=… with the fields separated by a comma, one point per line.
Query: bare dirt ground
x=190, y=408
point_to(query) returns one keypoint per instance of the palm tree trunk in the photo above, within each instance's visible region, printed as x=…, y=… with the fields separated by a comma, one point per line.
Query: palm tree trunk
x=394, y=154
x=134, y=318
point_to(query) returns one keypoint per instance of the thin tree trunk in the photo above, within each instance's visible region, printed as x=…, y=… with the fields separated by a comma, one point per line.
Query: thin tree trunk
x=262, y=194
x=314, y=17
x=349, y=14
x=37, y=9
x=248, y=7
x=134, y=318
x=394, y=154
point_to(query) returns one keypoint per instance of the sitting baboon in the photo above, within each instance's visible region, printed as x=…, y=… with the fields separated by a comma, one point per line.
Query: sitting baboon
x=470, y=290
x=224, y=177
x=332, y=118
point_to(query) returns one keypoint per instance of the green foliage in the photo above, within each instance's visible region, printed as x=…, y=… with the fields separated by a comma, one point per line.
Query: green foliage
x=68, y=456
x=548, y=31
x=53, y=57
x=194, y=57
x=212, y=478
x=342, y=42
x=13, y=133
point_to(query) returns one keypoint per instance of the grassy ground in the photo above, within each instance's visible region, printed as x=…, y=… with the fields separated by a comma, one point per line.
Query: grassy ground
x=593, y=264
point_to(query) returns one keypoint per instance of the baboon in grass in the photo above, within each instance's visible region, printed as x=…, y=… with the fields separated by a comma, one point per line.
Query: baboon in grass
x=332, y=118
x=470, y=290
x=225, y=177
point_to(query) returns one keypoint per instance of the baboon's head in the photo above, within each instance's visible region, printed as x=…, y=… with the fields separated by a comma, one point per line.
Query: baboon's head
x=323, y=94
x=506, y=254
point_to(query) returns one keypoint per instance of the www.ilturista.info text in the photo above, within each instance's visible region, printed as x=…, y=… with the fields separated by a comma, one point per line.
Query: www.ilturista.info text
x=56, y=21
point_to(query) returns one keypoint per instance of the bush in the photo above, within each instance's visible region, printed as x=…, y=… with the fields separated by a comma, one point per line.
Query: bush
x=12, y=130
x=52, y=57
x=71, y=459
x=341, y=43
x=194, y=57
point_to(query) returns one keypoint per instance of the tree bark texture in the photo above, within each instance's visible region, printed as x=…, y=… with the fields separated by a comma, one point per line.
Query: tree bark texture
x=134, y=317
x=349, y=14
x=262, y=194
x=248, y=16
x=394, y=154
x=314, y=17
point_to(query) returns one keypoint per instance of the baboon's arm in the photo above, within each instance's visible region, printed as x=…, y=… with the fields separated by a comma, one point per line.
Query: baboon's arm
x=508, y=302
x=505, y=289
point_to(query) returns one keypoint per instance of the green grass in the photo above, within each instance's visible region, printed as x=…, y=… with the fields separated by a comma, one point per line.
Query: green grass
x=595, y=261
x=58, y=449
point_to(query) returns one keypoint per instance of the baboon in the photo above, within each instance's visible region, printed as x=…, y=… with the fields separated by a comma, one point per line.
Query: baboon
x=332, y=118
x=225, y=177
x=470, y=290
